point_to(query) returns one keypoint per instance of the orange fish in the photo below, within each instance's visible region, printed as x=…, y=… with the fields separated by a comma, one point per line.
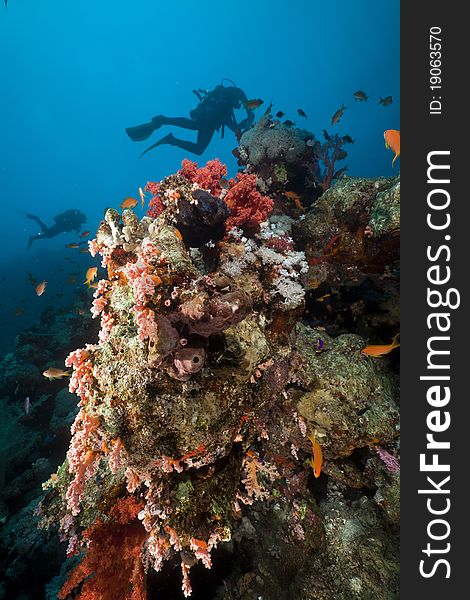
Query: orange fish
x=295, y=199
x=316, y=461
x=83, y=250
x=253, y=104
x=71, y=280
x=73, y=245
x=142, y=196
x=128, y=203
x=18, y=312
x=392, y=141
x=84, y=234
x=338, y=114
x=52, y=373
x=381, y=349
x=91, y=275
x=41, y=288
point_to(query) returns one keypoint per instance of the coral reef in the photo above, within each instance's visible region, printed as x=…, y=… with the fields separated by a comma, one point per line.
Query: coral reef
x=199, y=394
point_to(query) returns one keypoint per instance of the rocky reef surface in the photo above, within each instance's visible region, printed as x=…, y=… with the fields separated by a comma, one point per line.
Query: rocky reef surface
x=231, y=330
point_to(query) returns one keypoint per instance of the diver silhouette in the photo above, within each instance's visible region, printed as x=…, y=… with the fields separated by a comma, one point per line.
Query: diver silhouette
x=70, y=220
x=214, y=112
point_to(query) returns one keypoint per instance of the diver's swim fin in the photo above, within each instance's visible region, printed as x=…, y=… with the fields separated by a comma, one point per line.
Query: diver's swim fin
x=142, y=132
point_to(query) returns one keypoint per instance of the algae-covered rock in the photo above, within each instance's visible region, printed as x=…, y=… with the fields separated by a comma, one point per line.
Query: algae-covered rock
x=349, y=228
x=359, y=560
x=385, y=217
x=352, y=402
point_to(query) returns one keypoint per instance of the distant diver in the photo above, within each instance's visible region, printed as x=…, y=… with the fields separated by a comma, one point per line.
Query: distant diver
x=70, y=220
x=213, y=113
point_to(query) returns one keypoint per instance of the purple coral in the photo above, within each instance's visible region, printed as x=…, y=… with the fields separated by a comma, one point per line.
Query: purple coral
x=390, y=461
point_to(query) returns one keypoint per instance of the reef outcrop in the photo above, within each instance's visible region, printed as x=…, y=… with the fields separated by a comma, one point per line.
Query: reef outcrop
x=203, y=397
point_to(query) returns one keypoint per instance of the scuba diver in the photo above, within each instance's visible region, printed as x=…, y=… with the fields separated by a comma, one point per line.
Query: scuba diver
x=214, y=112
x=70, y=220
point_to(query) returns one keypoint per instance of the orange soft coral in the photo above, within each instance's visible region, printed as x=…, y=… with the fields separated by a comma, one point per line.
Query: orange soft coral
x=112, y=567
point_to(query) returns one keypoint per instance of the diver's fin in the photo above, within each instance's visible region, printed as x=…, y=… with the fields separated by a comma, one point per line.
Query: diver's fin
x=141, y=132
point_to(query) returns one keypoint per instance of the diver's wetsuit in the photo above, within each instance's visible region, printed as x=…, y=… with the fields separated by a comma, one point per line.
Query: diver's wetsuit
x=214, y=111
x=70, y=220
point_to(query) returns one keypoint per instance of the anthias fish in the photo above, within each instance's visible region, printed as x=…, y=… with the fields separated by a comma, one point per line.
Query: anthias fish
x=73, y=245
x=381, y=349
x=301, y=113
x=142, y=196
x=91, y=275
x=84, y=234
x=392, y=141
x=253, y=104
x=41, y=288
x=386, y=101
x=361, y=96
x=280, y=114
x=128, y=203
x=53, y=373
x=316, y=462
x=338, y=114
x=289, y=123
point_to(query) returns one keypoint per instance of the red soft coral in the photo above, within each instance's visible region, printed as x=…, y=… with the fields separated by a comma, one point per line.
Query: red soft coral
x=156, y=206
x=112, y=567
x=248, y=208
x=206, y=178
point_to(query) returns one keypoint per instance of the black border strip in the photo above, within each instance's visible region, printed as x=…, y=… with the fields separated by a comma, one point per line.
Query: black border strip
x=444, y=130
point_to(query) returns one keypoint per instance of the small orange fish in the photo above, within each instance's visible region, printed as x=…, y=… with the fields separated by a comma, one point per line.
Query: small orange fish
x=18, y=312
x=295, y=199
x=316, y=461
x=73, y=245
x=381, y=349
x=253, y=104
x=41, y=288
x=84, y=251
x=84, y=234
x=128, y=203
x=338, y=114
x=52, y=373
x=392, y=141
x=71, y=280
x=142, y=196
x=91, y=275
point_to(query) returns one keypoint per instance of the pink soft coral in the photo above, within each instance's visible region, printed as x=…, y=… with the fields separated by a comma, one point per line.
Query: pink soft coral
x=206, y=178
x=248, y=208
x=142, y=282
x=82, y=376
x=83, y=461
x=145, y=321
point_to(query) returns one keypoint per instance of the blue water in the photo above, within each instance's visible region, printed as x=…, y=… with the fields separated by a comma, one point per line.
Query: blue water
x=74, y=74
